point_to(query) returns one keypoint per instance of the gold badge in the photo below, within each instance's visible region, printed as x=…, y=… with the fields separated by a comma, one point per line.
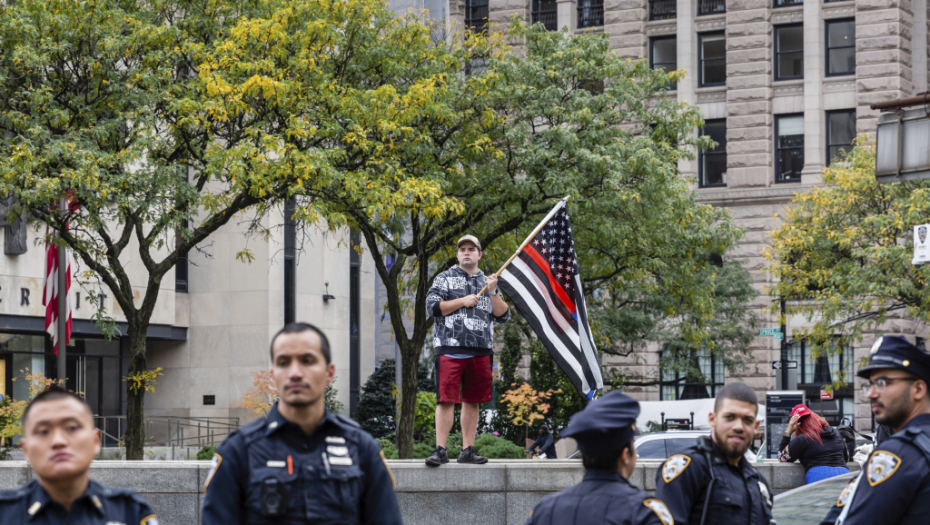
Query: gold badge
x=214, y=465
x=844, y=495
x=882, y=465
x=665, y=516
x=674, y=466
x=151, y=519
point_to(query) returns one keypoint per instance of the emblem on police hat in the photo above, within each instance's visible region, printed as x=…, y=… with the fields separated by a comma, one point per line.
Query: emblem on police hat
x=765, y=493
x=674, y=466
x=882, y=465
x=665, y=516
x=844, y=496
x=876, y=346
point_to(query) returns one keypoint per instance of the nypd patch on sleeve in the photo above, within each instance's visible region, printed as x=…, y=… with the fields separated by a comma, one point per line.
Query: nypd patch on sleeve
x=214, y=464
x=149, y=520
x=882, y=465
x=665, y=516
x=674, y=466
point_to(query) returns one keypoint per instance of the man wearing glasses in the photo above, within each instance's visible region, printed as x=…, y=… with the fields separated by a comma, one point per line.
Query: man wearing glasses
x=894, y=486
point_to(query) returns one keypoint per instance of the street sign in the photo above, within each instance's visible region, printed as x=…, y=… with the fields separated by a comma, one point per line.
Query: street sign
x=826, y=395
x=770, y=331
x=778, y=336
x=791, y=365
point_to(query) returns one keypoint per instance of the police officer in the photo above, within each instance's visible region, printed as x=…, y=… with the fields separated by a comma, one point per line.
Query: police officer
x=302, y=463
x=711, y=482
x=604, y=432
x=60, y=442
x=894, y=487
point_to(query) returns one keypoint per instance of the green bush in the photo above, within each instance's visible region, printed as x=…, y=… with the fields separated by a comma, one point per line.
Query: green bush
x=206, y=453
x=495, y=447
x=388, y=447
x=376, y=405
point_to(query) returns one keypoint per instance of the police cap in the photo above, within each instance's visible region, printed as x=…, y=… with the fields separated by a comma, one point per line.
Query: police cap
x=605, y=425
x=892, y=351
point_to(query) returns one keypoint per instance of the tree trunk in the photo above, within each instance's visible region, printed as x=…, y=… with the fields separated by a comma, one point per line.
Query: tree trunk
x=135, y=411
x=410, y=354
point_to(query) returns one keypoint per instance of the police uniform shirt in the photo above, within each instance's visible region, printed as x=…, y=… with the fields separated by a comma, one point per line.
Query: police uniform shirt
x=602, y=498
x=100, y=505
x=271, y=472
x=740, y=495
x=895, y=484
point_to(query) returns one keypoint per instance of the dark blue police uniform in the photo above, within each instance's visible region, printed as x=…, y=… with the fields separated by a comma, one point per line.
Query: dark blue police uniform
x=100, y=505
x=604, y=497
x=270, y=471
x=739, y=495
x=894, y=486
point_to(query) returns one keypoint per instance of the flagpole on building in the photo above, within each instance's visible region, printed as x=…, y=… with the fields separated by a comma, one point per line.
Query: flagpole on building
x=62, y=299
x=529, y=238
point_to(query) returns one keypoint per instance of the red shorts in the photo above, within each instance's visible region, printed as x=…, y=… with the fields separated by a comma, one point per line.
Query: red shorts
x=467, y=380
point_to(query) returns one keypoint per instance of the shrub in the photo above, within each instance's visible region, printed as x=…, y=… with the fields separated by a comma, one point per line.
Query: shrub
x=206, y=453
x=388, y=447
x=495, y=447
x=376, y=403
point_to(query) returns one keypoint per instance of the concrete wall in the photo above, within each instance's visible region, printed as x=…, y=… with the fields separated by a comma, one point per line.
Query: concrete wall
x=499, y=493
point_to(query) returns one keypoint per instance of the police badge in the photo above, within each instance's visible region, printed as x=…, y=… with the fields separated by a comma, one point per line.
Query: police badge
x=882, y=465
x=664, y=515
x=674, y=466
x=844, y=496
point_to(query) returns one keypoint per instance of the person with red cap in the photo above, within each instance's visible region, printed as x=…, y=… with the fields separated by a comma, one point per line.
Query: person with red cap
x=817, y=445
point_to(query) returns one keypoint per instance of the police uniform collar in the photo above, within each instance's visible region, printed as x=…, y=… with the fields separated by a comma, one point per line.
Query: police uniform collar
x=275, y=421
x=923, y=420
x=39, y=499
x=603, y=475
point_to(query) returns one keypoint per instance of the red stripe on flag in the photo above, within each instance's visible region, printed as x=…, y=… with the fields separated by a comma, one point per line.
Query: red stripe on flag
x=556, y=287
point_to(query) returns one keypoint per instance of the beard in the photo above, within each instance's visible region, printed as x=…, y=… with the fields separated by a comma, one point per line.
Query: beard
x=731, y=450
x=896, y=411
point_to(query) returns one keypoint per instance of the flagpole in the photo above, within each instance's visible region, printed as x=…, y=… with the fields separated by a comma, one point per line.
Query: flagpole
x=62, y=299
x=529, y=237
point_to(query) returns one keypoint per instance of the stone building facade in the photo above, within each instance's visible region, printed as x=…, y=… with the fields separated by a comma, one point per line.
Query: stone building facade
x=783, y=86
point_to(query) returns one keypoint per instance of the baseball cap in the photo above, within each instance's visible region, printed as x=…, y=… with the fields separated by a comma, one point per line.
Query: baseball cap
x=800, y=411
x=469, y=238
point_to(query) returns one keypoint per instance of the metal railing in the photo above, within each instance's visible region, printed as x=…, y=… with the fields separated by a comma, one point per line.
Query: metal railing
x=169, y=431
x=711, y=7
x=590, y=14
x=548, y=17
x=476, y=18
x=788, y=3
x=663, y=9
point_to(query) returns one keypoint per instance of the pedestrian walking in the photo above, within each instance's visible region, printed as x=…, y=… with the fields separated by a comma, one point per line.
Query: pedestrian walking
x=302, y=463
x=818, y=446
x=544, y=446
x=60, y=442
x=463, y=338
x=894, y=486
x=711, y=482
x=604, y=432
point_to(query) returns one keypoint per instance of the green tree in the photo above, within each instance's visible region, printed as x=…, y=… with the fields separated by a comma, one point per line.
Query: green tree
x=843, y=254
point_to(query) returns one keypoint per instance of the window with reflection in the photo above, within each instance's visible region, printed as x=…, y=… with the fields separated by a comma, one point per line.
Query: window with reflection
x=789, y=52
x=713, y=57
x=789, y=148
x=841, y=131
x=713, y=162
x=663, y=53
x=841, y=47
x=703, y=384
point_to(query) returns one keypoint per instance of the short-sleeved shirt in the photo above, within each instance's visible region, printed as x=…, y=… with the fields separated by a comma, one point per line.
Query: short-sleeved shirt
x=602, y=498
x=467, y=331
x=100, y=505
x=740, y=495
x=270, y=472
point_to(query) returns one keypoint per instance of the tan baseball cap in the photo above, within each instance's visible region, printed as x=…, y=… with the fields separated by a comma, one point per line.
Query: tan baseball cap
x=469, y=238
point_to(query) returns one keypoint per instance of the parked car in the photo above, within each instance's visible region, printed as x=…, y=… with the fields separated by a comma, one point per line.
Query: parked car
x=809, y=504
x=660, y=445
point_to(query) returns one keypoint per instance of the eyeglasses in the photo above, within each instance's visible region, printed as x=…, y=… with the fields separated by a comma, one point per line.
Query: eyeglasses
x=882, y=382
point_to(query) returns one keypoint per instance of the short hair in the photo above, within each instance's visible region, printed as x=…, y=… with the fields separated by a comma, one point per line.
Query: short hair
x=606, y=461
x=736, y=392
x=54, y=393
x=296, y=328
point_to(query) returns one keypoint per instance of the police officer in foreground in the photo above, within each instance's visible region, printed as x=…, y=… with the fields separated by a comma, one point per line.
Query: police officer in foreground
x=894, y=486
x=301, y=464
x=60, y=442
x=604, y=432
x=711, y=482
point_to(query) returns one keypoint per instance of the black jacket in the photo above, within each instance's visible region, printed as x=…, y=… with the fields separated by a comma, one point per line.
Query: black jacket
x=832, y=453
x=99, y=505
x=546, y=444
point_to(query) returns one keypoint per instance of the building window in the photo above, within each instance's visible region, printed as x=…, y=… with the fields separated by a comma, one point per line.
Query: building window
x=789, y=52
x=545, y=13
x=814, y=373
x=677, y=385
x=841, y=47
x=181, y=266
x=788, y=3
x=713, y=57
x=590, y=13
x=711, y=7
x=841, y=131
x=789, y=148
x=713, y=162
x=290, y=261
x=662, y=9
x=663, y=54
x=476, y=15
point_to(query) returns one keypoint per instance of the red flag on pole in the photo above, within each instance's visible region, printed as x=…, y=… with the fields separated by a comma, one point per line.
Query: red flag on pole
x=50, y=292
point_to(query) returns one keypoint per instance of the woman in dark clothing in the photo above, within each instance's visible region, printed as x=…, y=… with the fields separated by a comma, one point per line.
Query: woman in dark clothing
x=817, y=445
x=545, y=443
